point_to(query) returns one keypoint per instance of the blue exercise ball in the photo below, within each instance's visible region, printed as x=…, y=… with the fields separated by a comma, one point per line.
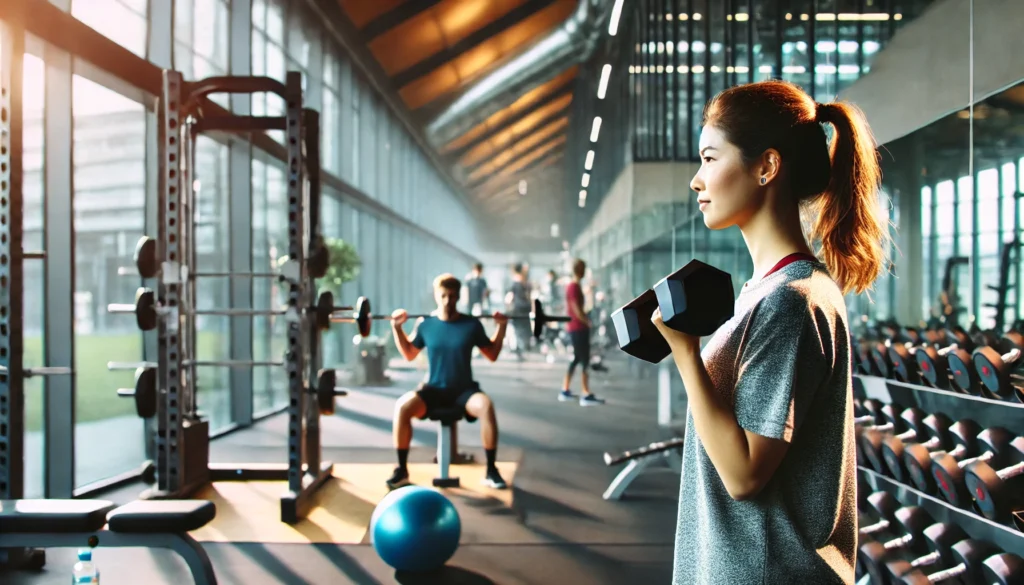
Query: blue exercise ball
x=415, y=529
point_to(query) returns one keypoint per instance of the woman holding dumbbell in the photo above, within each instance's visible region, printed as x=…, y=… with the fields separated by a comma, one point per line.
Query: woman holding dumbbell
x=768, y=489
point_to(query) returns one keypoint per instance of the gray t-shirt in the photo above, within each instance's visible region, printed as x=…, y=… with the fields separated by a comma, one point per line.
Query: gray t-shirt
x=783, y=361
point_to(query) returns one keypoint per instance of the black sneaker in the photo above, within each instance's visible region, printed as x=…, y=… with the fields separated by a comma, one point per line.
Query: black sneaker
x=494, y=480
x=399, y=478
x=590, y=400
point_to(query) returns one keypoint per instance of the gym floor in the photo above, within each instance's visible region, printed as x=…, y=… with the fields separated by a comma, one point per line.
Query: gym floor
x=551, y=526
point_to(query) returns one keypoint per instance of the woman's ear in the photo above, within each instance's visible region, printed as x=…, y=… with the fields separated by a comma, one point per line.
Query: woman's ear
x=769, y=166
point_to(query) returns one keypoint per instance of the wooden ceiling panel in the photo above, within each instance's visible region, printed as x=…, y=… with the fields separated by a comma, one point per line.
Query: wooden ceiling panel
x=496, y=119
x=408, y=42
x=520, y=128
x=532, y=156
x=461, y=18
x=470, y=63
x=361, y=12
x=520, y=147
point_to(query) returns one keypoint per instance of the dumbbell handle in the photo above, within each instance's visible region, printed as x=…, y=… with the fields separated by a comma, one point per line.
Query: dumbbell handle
x=126, y=392
x=1011, y=471
x=899, y=542
x=987, y=455
x=947, y=574
x=875, y=528
x=863, y=420
x=926, y=560
x=956, y=452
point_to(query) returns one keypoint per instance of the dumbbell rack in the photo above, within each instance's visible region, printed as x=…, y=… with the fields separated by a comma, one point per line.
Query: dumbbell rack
x=986, y=412
x=181, y=437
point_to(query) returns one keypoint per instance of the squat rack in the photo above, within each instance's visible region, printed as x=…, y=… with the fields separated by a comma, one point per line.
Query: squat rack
x=181, y=438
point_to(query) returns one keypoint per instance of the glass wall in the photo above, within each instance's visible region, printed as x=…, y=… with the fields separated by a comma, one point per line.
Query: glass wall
x=372, y=166
x=109, y=178
x=686, y=51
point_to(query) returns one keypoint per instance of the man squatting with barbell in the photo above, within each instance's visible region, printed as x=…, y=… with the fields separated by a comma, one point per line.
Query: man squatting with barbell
x=449, y=338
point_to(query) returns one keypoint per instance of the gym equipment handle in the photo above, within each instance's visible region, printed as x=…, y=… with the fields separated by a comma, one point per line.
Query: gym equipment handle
x=43, y=371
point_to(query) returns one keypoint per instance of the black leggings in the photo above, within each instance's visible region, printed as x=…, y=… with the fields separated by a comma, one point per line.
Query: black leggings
x=580, y=350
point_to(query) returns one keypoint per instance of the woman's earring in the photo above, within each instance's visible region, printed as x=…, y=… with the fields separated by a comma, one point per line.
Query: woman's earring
x=764, y=180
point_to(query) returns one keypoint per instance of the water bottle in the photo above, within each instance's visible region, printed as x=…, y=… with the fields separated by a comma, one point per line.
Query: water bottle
x=85, y=571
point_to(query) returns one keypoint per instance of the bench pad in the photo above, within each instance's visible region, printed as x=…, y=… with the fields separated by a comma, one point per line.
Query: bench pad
x=154, y=516
x=447, y=416
x=63, y=516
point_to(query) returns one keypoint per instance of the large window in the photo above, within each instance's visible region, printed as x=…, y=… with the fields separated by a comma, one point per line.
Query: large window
x=122, y=21
x=212, y=214
x=268, y=55
x=269, y=244
x=110, y=181
x=201, y=36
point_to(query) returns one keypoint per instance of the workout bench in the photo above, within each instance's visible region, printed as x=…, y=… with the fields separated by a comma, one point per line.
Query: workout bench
x=80, y=524
x=667, y=452
x=447, y=417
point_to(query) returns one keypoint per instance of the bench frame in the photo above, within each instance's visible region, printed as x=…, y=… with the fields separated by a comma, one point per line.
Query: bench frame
x=182, y=543
x=444, y=455
x=635, y=467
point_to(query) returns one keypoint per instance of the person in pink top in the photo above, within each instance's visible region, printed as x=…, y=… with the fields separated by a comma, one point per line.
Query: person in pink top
x=579, y=333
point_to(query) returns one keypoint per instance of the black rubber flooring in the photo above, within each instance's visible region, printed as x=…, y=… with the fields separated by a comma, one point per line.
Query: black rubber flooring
x=559, y=529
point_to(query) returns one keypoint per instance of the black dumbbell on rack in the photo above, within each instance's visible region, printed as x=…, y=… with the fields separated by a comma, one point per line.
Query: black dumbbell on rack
x=932, y=359
x=998, y=493
x=996, y=367
x=934, y=426
x=917, y=458
x=938, y=539
x=992, y=445
x=902, y=355
x=872, y=438
x=976, y=561
x=911, y=522
x=959, y=360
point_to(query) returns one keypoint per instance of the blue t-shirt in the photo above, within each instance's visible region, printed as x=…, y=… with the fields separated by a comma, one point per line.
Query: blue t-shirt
x=449, y=346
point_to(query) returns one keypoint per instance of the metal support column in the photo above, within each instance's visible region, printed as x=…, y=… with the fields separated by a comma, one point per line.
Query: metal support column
x=59, y=278
x=12, y=397
x=169, y=292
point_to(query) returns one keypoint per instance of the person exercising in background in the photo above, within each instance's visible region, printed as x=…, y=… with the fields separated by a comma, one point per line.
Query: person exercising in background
x=579, y=333
x=476, y=290
x=518, y=301
x=449, y=338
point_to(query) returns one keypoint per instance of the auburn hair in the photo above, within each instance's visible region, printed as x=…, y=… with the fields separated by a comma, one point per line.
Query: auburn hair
x=837, y=181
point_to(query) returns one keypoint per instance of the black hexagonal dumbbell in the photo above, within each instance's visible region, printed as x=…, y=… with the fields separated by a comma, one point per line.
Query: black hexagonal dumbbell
x=997, y=367
x=696, y=299
x=911, y=521
x=872, y=438
x=998, y=492
x=991, y=445
x=969, y=557
x=917, y=458
x=876, y=516
x=933, y=426
x=939, y=539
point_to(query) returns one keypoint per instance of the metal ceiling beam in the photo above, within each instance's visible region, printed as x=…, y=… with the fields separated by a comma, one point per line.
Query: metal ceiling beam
x=515, y=119
x=393, y=18
x=547, y=144
x=512, y=18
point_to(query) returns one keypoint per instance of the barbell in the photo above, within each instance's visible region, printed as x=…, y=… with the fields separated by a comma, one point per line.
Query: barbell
x=362, y=316
x=147, y=310
x=145, y=391
x=148, y=265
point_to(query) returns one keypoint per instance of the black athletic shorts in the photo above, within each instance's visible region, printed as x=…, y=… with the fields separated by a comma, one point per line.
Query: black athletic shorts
x=580, y=345
x=435, y=398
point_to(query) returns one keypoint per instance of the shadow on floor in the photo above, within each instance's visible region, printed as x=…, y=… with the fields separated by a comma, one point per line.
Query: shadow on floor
x=445, y=576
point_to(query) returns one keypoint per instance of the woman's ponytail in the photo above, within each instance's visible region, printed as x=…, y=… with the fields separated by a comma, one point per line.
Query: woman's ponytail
x=853, y=238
